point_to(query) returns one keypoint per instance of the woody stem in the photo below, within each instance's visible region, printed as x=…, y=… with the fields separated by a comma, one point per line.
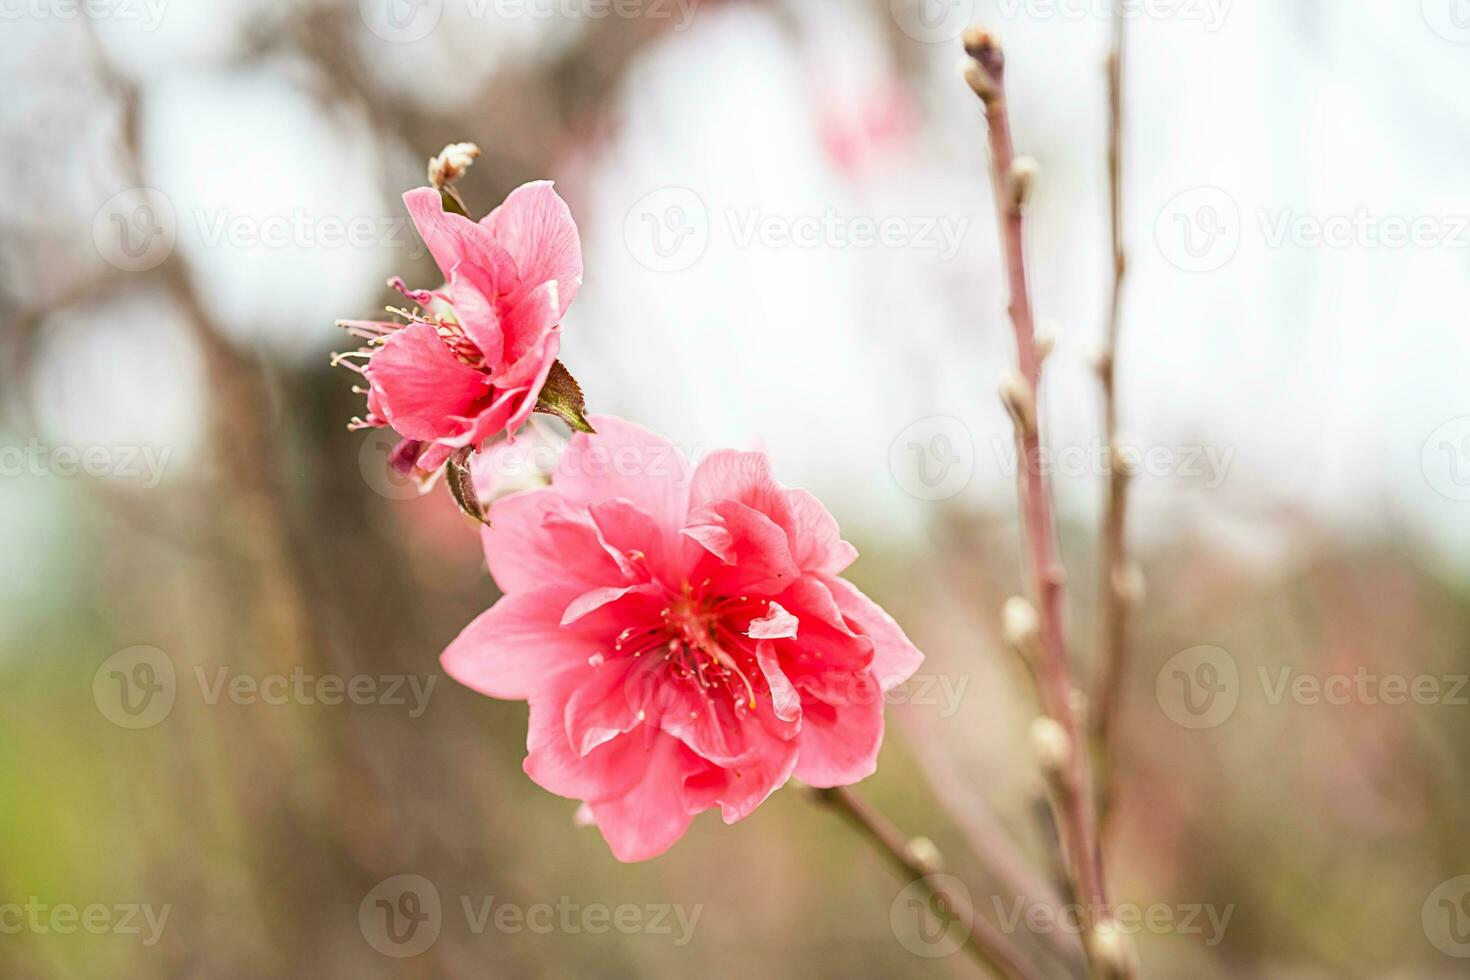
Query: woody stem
x=985, y=943
x=1072, y=794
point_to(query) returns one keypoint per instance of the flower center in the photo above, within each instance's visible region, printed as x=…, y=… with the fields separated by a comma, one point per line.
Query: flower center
x=699, y=646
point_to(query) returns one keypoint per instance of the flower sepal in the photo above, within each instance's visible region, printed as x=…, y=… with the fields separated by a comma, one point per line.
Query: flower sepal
x=562, y=396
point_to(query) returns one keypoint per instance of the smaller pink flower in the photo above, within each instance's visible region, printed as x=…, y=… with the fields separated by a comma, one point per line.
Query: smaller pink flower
x=472, y=361
x=684, y=637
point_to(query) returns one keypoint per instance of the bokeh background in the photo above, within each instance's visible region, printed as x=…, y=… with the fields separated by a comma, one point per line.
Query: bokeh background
x=177, y=477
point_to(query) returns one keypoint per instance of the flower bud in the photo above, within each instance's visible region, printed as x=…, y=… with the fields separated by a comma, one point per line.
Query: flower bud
x=923, y=852
x=1021, y=626
x=1020, y=180
x=978, y=79
x=1020, y=400
x=1111, y=950
x=1052, y=744
x=451, y=163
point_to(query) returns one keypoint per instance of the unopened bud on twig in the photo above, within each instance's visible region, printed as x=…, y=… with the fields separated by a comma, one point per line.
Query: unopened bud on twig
x=1052, y=745
x=1020, y=181
x=924, y=854
x=1046, y=342
x=1020, y=400
x=451, y=163
x=1120, y=462
x=1021, y=626
x=978, y=79
x=1111, y=950
x=979, y=43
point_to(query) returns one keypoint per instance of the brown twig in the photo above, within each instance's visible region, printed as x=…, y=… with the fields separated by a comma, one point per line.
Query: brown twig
x=999, y=856
x=1118, y=587
x=1068, y=765
x=985, y=942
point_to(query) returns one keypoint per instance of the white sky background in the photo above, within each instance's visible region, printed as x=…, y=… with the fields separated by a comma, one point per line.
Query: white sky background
x=1324, y=369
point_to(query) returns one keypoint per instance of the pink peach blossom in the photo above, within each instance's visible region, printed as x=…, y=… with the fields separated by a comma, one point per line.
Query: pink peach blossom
x=684, y=638
x=473, y=359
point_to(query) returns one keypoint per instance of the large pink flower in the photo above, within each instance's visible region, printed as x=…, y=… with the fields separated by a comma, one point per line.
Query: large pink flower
x=472, y=362
x=685, y=640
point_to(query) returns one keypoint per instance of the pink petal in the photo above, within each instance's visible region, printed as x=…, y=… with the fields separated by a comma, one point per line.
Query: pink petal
x=536, y=538
x=742, y=477
x=602, y=707
x=535, y=226
x=647, y=820
x=894, y=658
x=626, y=460
x=784, y=699
x=517, y=648
x=810, y=598
x=739, y=791
x=608, y=771
x=841, y=731
x=634, y=535
x=715, y=730
x=528, y=397
x=422, y=388
x=590, y=602
x=527, y=328
x=451, y=238
x=776, y=624
x=757, y=557
x=816, y=543
x=473, y=292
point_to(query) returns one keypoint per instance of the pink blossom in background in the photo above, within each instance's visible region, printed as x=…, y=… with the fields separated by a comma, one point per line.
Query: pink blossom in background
x=472, y=362
x=684, y=637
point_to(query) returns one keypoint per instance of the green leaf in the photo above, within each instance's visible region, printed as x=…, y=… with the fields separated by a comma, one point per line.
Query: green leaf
x=562, y=396
x=462, y=486
x=453, y=203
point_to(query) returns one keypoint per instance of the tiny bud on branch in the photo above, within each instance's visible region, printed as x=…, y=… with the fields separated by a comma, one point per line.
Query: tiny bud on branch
x=1052, y=744
x=1021, y=626
x=979, y=80
x=1019, y=399
x=923, y=853
x=1111, y=949
x=1020, y=180
x=451, y=163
